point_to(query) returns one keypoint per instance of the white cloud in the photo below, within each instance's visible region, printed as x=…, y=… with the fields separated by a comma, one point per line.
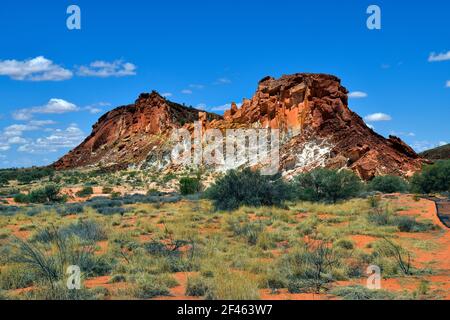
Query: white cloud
x=377, y=117
x=16, y=130
x=103, y=69
x=36, y=69
x=370, y=126
x=167, y=94
x=201, y=106
x=196, y=86
x=17, y=140
x=41, y=123
x=357, y=95
x=223, y=81
x=186, y=91
x=439, y=57
x=58, y=139
x=448, y=84
x=54, y=106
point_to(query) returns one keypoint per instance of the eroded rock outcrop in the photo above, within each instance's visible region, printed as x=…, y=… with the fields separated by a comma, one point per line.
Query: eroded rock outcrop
x=311, y=111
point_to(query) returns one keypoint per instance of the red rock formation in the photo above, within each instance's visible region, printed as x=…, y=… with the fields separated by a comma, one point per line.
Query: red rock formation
x=311, y=110
x=128, y=135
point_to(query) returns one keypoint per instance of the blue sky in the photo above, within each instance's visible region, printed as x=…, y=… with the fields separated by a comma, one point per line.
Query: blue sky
x=55, y=82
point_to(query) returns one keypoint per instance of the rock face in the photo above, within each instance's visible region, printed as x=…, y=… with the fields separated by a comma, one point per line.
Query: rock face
x=317, y=129
x=128, y=135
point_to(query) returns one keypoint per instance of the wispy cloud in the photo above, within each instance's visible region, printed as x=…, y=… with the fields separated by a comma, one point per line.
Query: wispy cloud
x=421, y=146
x=357, y=95
x=222, y=81
x=186, y=91
x=434, y=57
x=167, y=94
x=58, y=139
x=377, y=117
x=54, y=106
x=447, y=84
x=104, y=69
x=36, y=69
x=196, y=86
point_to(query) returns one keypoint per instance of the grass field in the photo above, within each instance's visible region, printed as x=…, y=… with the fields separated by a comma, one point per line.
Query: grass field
x=172, y=247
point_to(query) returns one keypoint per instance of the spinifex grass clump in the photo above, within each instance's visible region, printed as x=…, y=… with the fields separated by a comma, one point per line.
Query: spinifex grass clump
x=248, y=188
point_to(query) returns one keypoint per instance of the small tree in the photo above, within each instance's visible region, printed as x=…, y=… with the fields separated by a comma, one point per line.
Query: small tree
x=388, y=184
x=248, y=188
x=327, y=185
x=48, y=194
x=190, y=185
x=434, y=178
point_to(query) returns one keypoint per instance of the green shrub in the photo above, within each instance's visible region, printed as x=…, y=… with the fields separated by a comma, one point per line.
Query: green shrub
x=248, y=188
x=379, y=217
x=190, y=186
x=327, y=185
x=85, y=192
x=434, y=178
x=21, y=198
x=345, y=244
x=410, y=224
x=388, y=184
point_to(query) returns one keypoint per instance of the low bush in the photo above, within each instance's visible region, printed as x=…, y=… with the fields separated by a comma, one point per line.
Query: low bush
x=70, y=209
x=410, y=224
x=85, y=192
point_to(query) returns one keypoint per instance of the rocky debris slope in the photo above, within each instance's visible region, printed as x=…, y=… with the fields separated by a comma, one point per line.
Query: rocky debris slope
x=317, y=129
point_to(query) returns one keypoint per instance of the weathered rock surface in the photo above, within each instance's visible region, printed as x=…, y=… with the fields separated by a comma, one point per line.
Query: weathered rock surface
x=311, y=110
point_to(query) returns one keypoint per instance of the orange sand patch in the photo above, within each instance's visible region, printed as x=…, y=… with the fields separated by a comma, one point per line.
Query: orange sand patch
x=361, y=241
x=103, y=247
x=23, y=235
